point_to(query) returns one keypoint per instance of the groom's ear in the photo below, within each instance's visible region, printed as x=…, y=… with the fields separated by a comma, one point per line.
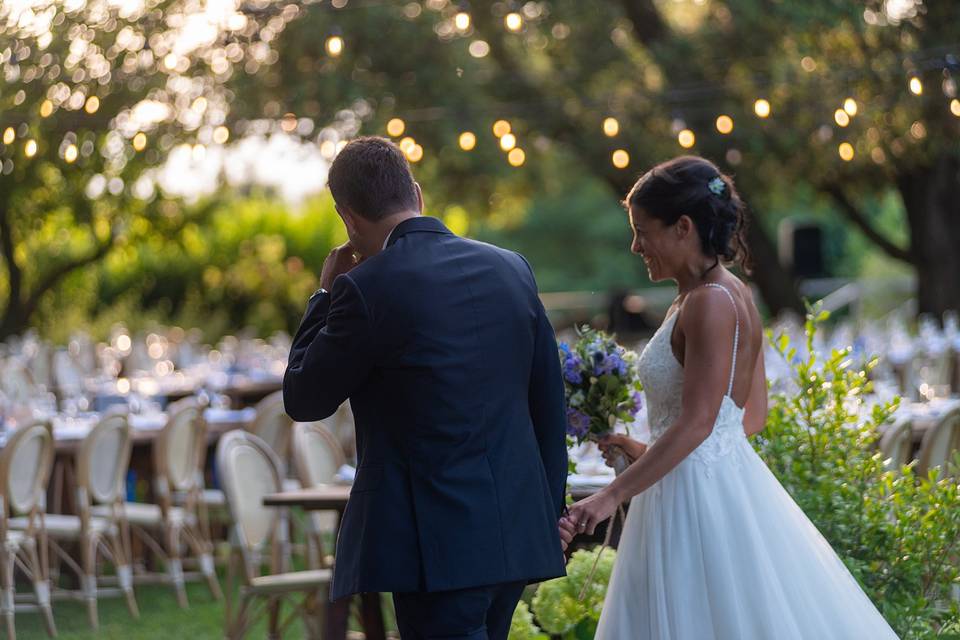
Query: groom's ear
x=348, y=218
x=419, y=198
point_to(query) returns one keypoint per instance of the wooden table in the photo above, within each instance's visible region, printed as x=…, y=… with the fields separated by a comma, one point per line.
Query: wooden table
x=334, y=498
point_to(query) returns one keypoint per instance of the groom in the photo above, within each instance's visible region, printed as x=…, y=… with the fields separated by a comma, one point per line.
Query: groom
x=451, y=367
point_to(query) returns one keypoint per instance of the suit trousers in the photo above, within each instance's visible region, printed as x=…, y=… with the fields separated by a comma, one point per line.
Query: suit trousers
x=478, y=613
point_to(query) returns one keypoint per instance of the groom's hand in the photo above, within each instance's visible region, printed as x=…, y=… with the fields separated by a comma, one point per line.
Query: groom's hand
x=567, y=532
x=341, y=260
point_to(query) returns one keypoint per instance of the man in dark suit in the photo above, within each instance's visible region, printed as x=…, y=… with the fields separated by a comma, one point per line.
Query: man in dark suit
x=451, y=367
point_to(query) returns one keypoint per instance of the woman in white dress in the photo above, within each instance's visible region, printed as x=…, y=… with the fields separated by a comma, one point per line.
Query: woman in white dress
x=713, y=547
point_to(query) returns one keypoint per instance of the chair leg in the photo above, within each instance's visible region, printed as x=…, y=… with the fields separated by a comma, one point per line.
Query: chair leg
x=203, y=551
x=41, y=588
x=175, y=566
x=273, y=616
x=124, y=573
x=89, y=579
x=9, y=561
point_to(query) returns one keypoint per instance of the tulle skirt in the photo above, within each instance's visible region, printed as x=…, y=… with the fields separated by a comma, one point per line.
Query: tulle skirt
x=718, y=550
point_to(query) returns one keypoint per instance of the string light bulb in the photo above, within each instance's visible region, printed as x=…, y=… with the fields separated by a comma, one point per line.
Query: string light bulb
x=762, y=108
x=508, y=141
x=611, y=127
x=841, y=117
x=462, y=21
x=30, y=148
x=415, y=154
x=846, y=151
x=501, y=128
x=140, y=141
x=724, y=124
x=396, y=127
x=916, y=87
x=335, y=46
x=954, y=107
x=620, y=159
x=850, y=106
x=221, y=134
x=46, y=109
x=9, y=135
x=92, y=105
x=513, y=21
x=516, y=157
x=468, y=140
x=70, y=153
x=686, y=138
x=407, y=144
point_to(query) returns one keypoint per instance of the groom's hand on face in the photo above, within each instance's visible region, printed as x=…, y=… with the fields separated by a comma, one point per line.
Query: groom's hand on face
x=341, y=260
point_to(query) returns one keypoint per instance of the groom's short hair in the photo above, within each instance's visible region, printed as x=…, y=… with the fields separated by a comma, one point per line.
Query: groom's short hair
x=371, y=177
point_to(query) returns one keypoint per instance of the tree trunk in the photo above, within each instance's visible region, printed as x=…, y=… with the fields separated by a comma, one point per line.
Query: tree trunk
x=933, y=212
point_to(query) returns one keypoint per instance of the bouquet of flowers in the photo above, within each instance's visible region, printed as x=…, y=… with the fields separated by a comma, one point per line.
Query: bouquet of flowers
x=601, y=384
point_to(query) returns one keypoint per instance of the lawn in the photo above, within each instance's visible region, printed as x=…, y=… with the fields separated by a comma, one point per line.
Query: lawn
x=160, y=618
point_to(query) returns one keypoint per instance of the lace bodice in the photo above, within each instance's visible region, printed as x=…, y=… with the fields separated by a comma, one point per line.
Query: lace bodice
x=662, y=378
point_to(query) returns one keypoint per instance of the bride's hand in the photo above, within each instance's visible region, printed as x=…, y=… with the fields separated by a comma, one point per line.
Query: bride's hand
x=589, y=512
x=632, y=448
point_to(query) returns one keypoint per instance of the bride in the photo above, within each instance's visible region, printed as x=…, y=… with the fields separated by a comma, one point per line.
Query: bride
x=713, y=547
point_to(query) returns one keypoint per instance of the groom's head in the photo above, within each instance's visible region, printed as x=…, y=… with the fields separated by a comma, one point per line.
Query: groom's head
x=371, y=184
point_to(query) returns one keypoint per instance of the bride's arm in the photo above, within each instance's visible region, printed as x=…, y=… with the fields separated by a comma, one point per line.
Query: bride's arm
x=755, y=411
x=708, y=325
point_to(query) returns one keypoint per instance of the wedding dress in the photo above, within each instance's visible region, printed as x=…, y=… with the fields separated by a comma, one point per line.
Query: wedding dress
x=717, y=549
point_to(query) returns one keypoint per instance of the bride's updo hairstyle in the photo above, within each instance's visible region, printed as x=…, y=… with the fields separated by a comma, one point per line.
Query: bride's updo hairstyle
x=695, y=187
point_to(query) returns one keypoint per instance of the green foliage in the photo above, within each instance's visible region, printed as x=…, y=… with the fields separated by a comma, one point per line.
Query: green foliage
x=522, y=626
x=557, y=605
x=897, y=533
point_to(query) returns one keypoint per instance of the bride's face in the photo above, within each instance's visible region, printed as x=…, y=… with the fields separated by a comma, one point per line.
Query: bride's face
x=654, y=242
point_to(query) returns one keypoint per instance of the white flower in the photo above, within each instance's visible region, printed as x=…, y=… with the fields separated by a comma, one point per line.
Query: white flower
x=612, y=420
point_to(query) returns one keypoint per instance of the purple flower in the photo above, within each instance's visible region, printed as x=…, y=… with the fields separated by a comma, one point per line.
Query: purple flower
x=578, y=424
x=571, y=370
x=609, y=364
x=637, y=402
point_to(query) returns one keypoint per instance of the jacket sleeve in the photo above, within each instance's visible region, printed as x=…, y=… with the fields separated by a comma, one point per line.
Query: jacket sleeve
x=332, y=353
x=548, y=409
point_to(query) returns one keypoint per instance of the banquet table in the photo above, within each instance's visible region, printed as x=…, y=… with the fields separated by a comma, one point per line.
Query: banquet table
x=335, y=498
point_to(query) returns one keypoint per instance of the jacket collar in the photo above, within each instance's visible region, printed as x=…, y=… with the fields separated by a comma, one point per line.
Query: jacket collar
x=420, y=224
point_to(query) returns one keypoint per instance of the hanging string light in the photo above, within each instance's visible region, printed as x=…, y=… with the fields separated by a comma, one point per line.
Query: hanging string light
x=955, y=107
x=620, y=159
x=841, y=117
x=762, y=108
x=334, y=46
x=221, y=134
x=686, y=138
x=9, y=135
x=916, y=87
x=501, y=128
x=93, y=103
x=462, y=20
x=850, y=106
x=30, y=148
x=724, y=124
x=407, y=144
x=846, y=151
x=513, y=21
x=415, y=154
x=508, y=141
x=468, y=140
x=516, y=157
x=70, y=153
x=396, y=127
x=46, y=109
x=611, y=127
x=140, y=141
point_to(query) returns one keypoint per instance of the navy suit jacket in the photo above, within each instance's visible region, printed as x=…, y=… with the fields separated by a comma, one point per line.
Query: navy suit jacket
x=451, y=367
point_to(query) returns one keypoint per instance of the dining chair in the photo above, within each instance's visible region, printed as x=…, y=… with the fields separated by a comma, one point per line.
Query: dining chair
x=896, y=444
x=317, y=457
x=249, y=469
x=940, y=442
x=167, y=529
x=101, y=463
x=25, y=463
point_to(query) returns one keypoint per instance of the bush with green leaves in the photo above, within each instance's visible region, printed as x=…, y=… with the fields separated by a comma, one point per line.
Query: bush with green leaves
x=899, y=534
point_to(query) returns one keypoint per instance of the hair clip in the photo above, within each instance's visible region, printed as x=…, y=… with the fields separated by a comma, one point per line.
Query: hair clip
x=716, y=185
